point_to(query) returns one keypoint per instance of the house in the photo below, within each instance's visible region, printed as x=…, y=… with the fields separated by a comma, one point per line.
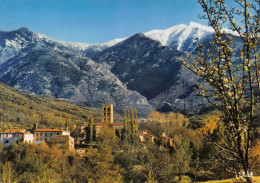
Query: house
x=166, y=141
x=41, y=135
x=144, y=136
x=8, y=137
x=66, y=142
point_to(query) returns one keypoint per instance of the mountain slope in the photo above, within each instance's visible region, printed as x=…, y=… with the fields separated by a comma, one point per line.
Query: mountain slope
x=143, y=70
x=155, y=71
x=46, y=67
x=23, y=110
x=143, y=64
x=150, y=64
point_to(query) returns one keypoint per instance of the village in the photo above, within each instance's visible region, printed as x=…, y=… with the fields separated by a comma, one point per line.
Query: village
x=63, y=138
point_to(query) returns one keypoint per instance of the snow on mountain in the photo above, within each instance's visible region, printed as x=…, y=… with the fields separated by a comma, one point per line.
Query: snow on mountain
x=183, y=37
x=180, y=37
x=143, y=70
x=86, y=46
x=75, y=45
x=12, y=43
x=113, y=42
x=167, y=35
x=37, y=64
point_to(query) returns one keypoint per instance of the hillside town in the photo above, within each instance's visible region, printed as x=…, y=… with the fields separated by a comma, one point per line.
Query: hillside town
x=63, y=138
x=130, y=91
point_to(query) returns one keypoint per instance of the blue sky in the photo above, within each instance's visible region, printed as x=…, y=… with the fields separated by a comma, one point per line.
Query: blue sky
x=96, y=21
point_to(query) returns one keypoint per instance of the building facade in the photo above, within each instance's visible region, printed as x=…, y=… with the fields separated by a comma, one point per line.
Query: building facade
x=8, y=137
x=41, y=135
x=65, y=142
x=118, y=127
x=145, y=136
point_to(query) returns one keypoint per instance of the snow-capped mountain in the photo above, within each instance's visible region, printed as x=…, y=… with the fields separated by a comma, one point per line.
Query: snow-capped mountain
x=183, y=37
x=18, y=42
x=94, y=47
x=13, y=42
x=150, y=64
x=153, y=70
x=39, y=65
x=143, y=70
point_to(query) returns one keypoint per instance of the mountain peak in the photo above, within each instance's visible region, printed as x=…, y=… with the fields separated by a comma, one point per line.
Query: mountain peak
x=113, y=42
x=195, y=24
x=180, y=36
x=24, y=29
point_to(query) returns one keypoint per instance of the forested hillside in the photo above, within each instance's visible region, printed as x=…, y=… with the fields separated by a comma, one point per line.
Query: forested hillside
x=18, y=109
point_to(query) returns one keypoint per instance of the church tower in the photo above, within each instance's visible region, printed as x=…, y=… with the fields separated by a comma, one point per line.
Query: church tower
x=107, y=113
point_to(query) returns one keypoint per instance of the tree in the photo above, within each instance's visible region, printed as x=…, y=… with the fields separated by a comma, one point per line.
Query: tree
x=232, y=84
x=126, y=132
x=90, y=130
x=159, y=164
x=7, y=173
x=182, y=156
x=76, y=133
x=99, y=162
x=131, y=126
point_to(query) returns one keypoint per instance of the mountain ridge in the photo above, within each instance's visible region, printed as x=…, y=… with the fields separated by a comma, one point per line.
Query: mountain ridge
x=45, y=67
x=141, y=71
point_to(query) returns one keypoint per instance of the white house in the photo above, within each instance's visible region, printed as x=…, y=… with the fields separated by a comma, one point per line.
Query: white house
x=41, y=135
x=8, y=137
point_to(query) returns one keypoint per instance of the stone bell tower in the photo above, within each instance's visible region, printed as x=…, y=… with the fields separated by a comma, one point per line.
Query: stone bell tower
x=107, y=113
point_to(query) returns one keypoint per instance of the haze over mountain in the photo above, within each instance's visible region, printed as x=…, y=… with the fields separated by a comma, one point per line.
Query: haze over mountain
x=143, y=70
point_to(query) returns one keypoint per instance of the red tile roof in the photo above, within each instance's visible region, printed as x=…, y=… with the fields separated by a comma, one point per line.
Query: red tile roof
x=48, y=130
x=13, y=131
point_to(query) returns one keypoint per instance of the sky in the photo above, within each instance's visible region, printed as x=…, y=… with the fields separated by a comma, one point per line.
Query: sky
x=96, y=21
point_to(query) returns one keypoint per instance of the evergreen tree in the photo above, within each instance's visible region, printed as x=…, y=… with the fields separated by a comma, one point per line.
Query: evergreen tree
x=131, y=126
x=126, y=129
x=136, y=123
x=91, y=129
